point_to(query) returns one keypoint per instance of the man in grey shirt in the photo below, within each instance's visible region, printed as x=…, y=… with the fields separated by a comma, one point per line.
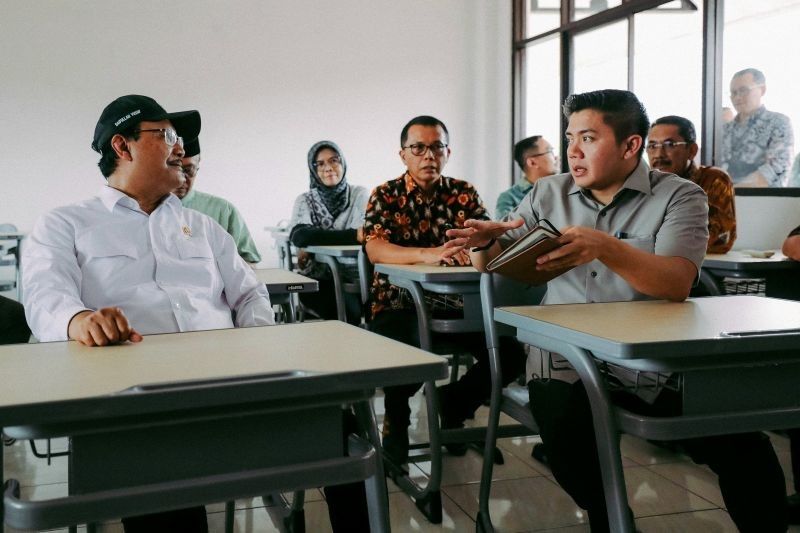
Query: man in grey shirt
x=629, y=233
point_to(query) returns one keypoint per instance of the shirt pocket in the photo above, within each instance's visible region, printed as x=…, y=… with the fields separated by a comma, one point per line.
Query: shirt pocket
x=645, y=243
x=106, y=246
x=195, y=249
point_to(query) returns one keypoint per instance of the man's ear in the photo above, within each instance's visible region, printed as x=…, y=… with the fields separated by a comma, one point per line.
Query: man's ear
x=693, y=148
x=120, y=146
x=632, y=146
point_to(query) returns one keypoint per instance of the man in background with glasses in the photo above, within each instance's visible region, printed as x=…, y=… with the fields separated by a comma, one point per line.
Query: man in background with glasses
x=217, y=208
x=671, y=147
x=405, y=223
x=537, y=159
x=757, y=145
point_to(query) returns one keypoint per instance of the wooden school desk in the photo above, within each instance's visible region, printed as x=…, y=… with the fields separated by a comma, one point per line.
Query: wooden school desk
x=282, y=285
x=190, y=418
x=782, y=275
x=740, y=358
x=332, y=256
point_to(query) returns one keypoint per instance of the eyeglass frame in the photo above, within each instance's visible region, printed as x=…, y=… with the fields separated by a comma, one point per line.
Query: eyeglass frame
x=319, y=164
x=550, y=151
x=437, y=151
x=163, y=131
x=667, y=145
x=744, y=91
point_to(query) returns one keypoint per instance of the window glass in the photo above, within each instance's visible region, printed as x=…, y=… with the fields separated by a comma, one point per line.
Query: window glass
x=668, y=70
x=761, y=35
x=542, y=16
x=542, y=92
x=601, y=58
x=585, y=8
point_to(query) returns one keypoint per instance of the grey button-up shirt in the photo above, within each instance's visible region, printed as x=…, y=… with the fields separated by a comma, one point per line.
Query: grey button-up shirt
x=654, y=211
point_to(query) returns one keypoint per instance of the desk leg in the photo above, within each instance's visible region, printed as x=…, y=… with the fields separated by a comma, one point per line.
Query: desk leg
x=423, y=315
x=377, y=493
x=607, y=435
x=336, y=273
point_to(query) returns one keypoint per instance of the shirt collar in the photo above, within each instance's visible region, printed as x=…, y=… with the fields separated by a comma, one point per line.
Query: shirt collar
x=411, y=184
x=639, y=180
x=524, y=185
x=756, y=114
x=111, y=197
x=688, y=174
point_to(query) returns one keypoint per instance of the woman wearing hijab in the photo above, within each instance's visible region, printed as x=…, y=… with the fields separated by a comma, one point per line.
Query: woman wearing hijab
x=330, y=213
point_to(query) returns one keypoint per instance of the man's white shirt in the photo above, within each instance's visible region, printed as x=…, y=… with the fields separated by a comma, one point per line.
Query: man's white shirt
x=173, y=270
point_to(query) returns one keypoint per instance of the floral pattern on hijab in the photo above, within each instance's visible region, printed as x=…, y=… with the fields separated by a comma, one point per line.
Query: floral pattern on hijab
x=326, y=203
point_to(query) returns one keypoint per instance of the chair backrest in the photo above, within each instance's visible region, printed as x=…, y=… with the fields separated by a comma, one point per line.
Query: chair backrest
x=8, y=228
x=500, y=291
x=365, y=271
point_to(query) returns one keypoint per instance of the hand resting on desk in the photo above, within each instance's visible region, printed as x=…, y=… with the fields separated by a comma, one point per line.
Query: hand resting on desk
x=104, y=326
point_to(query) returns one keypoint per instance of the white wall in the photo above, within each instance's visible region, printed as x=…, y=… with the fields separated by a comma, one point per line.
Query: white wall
x=269, y=78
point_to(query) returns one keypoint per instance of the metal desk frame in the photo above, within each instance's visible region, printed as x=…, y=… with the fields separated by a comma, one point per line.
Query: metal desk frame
x=782, y=274
x=331, y=255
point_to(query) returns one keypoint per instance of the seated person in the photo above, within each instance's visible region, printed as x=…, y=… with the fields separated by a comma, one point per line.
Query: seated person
x=536, y=158
x=330, y=213
x=672, y=147
x=133, y=261
x=217, y=208
x=611, y=191
x=405, y=224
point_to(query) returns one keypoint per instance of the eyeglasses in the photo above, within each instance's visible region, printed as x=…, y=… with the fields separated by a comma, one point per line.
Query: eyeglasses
x=190, y=170
x=436, y=148
x=667, y=145
x=170, y=135
x=332, y=162
x=550, y=151
x=742, y=91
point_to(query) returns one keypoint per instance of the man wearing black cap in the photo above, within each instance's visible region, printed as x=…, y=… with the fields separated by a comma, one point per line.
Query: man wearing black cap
x=217, y=208
x=132, y=261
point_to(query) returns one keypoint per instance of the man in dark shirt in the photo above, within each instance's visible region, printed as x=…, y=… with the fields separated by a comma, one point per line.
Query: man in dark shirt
x=405, y=223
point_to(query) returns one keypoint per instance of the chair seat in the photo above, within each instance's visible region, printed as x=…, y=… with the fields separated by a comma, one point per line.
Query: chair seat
x=516, y=404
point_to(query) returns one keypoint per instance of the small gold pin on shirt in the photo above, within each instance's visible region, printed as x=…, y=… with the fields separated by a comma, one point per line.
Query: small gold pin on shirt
x=187, y=230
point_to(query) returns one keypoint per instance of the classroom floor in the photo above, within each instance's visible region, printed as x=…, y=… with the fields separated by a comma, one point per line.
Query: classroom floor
x=666, y=491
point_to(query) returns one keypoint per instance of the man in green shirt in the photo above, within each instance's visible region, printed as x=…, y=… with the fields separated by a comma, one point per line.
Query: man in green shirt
x=536, y=157
x=217, y=208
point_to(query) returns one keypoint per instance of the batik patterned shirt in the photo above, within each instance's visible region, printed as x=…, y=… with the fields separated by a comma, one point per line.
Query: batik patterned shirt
x=721, y=209
x=399, y=212
x=762, y=143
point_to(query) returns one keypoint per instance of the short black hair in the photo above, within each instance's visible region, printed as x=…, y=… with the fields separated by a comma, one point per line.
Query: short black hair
x=108, y=159
x=758, y=76
x=621, y=110
x=685, y=126
x=522, y=147
x=422, y=120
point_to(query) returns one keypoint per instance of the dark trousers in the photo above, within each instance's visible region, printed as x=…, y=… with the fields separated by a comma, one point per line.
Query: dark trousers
x=13, y=327
x=794, y=450
x=750, y=477
x=323, y=303
x=474, y=386
x=347, y=506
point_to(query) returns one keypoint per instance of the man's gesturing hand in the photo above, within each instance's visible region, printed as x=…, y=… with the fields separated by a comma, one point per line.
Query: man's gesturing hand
x=99, y=328
x=477, y=233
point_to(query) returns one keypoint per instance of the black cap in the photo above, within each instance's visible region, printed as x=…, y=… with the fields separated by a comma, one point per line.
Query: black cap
x=127, y=111
x=191, y=148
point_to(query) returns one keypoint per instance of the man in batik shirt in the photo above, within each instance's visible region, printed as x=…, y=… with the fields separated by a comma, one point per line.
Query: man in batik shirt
x=757, y=145
x=405, y=223
x=671, y=147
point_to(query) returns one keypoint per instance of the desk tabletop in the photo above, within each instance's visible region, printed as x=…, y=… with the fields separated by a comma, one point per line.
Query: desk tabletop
x=282, y=281
x=736, y=260
x=664, y=329
x=278, y=233
x=342, y=250
x=430, y=273
x=8, y=235
x=63, y=379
